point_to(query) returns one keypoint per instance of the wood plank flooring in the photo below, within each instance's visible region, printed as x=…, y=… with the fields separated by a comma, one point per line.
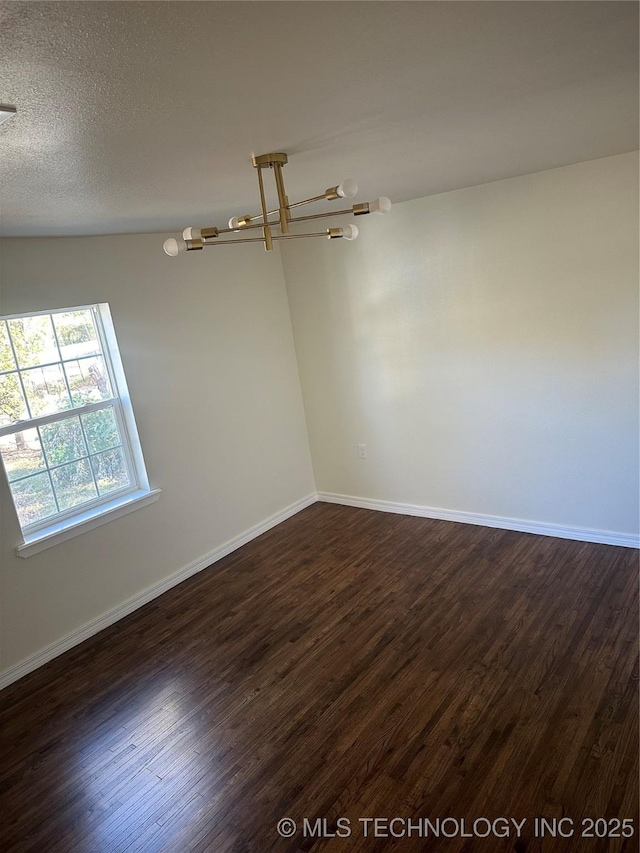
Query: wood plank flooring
x=348, y=664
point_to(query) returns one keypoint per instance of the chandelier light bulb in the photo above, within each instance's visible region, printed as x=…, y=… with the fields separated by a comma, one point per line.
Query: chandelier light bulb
x=380, y=205
x=233, y=223
x=347, y=189
x=192, y=233
x=172, y=247
x=350, y=232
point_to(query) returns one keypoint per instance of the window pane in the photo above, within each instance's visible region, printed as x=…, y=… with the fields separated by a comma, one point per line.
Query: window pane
x=53, y=367
x=21, y=453
x=77, y=334
x=110, y=470
x=7, y=361
x=12, y=405
x=101, y=430
x=63, y=441
x=73, y=484
x=34, y=340
x=33, y=498
x=46, y=390
x=88, y=380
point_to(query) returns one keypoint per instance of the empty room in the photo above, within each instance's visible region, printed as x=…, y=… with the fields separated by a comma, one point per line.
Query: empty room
x=327, y=540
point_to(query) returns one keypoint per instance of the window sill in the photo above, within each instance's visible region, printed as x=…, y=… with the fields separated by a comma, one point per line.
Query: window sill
x=82, y=522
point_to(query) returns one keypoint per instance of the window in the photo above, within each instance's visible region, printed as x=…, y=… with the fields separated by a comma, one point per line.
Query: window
x=68, y=438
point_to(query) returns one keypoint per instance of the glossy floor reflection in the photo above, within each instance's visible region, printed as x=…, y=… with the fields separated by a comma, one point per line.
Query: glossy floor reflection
x=345, y=664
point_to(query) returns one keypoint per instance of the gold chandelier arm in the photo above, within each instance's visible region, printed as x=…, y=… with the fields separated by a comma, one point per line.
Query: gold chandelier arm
x=298, y=236
x=258, y=223
x=321, y=215
x=360, y=209
x=356, y=209
x=322, y=197
x=244, y=227
x=266, y=230
x=347, y=189
x=237, y=240
x=283, y=201
x=326, y=196
x=243, y=221
x=330, y=232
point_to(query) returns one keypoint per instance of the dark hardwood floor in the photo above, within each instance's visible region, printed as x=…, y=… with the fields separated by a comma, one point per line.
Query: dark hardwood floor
x=346, y=664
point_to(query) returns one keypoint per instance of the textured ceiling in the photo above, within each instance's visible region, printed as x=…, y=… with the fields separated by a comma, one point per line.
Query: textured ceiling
x=144, y=116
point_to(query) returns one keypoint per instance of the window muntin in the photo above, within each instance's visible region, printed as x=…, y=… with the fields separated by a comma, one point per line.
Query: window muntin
x=64, y=437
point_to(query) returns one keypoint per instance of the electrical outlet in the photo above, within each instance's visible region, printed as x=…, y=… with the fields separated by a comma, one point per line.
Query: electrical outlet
x=362, y=451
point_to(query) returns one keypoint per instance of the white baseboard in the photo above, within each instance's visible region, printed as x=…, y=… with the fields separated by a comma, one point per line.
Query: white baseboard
x=607, y=537
x=90, y=628
x=581, y=534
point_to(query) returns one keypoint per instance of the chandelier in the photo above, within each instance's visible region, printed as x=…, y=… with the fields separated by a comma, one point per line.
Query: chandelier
x=279, y=218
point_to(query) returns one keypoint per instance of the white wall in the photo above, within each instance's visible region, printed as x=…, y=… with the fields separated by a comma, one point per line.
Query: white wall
x=483, y=343
x=208, y=352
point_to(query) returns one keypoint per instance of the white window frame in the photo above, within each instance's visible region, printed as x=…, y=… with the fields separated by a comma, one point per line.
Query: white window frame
x=137, y=493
